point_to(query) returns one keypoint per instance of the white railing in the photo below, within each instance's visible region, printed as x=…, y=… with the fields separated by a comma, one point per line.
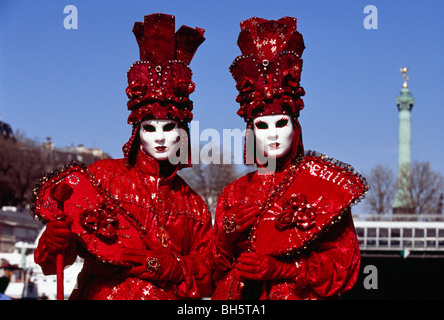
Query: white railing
x=400, y=235
x=398, y=217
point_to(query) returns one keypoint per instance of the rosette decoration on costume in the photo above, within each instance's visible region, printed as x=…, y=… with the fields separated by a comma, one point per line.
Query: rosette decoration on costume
x=268, y=73
x=101, y=220
x=98, y=221
x=296, y=211
x=160, y=83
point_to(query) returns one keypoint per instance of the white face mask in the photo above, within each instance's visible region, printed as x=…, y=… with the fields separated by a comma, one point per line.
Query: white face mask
x=160, y=138
x=274, y=135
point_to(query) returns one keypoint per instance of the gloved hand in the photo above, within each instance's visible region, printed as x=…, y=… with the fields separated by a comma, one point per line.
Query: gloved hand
x=57, y=235
x=255, y=266
x=153, y=265
x=234, y=224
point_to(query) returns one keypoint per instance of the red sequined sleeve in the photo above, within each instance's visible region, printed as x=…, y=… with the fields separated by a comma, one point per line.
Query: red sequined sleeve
x=222, y=259
x=195, y=265
x=333, y=263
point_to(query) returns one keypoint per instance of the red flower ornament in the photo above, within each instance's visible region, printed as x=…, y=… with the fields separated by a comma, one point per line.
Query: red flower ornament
x=296, y=212
x=135, y=92
x=102, y=221
x=246, y=85
x=184, y=87
x=292, y=76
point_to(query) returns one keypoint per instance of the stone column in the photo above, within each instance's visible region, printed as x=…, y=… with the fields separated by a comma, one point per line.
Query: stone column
x=403, y=200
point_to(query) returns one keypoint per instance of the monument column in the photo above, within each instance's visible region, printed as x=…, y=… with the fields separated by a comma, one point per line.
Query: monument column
x=403, y=200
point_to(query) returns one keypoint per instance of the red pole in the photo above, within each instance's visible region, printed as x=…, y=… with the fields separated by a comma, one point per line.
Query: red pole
x=61, y=193
x=60, y=260
x=59, y=269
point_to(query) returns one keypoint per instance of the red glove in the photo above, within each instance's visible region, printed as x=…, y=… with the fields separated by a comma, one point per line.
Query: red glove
x=263, y=267
x=153, y=265
x=234, y=224
x=57, y=235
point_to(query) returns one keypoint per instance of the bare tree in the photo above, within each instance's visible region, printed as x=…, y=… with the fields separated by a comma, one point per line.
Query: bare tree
x=379, y=198
x=7, y=155
x=21, y=164
x=425, y=187
x=420, y=189
x=208, y=180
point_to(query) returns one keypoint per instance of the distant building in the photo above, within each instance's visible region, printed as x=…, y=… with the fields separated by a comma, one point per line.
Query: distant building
x=82, y=154
x=67, y=154
x=16, y=226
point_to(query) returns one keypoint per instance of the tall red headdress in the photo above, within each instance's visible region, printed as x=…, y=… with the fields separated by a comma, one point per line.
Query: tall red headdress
x=268, y=72
x=160, y=83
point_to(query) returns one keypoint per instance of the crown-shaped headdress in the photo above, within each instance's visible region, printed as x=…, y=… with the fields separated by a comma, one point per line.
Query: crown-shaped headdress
x=268, y=72
x=160, y=83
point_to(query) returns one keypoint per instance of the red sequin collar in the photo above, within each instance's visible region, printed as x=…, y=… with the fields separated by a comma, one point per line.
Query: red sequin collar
x=147, y=165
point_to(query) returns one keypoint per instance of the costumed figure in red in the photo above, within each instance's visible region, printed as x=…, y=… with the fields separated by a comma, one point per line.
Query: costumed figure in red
x=284, y=231
x=142, y=231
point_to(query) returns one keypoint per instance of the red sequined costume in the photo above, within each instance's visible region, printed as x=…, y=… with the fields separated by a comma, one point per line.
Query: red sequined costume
x=142, y=231
x=328, y=267
x=303, y=239
x=157, y=203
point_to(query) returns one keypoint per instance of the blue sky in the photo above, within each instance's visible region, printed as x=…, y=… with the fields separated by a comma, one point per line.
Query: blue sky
x=70, y=84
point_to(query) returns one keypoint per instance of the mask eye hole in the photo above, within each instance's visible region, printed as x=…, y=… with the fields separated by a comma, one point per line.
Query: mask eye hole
x=281, y=123
x=149, y=128
x=261, y=125
x=169, y=126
